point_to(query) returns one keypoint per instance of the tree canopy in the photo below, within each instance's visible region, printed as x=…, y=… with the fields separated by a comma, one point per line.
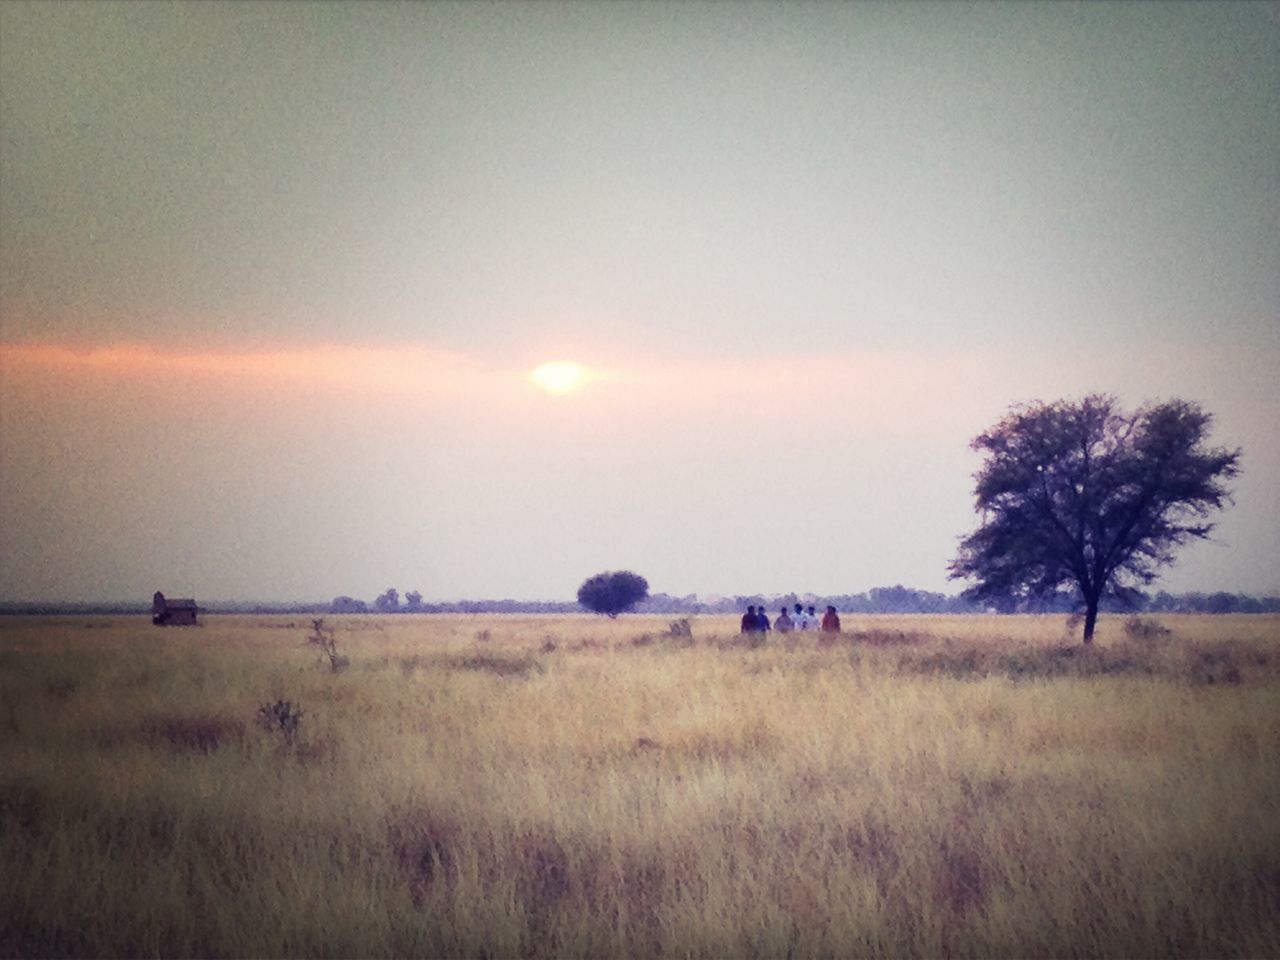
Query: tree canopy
x=613, y=592
x=1084, y=496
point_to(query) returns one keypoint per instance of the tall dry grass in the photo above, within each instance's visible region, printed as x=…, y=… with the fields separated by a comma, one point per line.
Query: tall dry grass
x=541, y=786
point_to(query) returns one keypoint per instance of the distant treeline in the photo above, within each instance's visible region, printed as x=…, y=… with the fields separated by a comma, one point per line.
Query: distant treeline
x=900, y=599
x=896, y=599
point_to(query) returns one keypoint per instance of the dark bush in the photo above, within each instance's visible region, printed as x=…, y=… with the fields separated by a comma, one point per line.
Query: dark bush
x=281, y=717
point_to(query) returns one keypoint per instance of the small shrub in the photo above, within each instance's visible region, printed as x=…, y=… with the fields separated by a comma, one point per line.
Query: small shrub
x=282, y=718
x=483, y=636
x=1144, y=628
x=323, y=637
x=680, y=629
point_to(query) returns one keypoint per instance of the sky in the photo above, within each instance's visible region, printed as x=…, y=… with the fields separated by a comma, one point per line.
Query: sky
x=274, y=277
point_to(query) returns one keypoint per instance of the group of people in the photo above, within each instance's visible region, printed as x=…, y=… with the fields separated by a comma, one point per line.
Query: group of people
x=755, y=620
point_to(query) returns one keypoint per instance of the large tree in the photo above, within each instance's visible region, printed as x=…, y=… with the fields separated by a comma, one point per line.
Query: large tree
x=1084, y=496
x=613, y=592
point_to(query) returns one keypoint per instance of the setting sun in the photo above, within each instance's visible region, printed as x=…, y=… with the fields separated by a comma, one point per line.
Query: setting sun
x=560, y=376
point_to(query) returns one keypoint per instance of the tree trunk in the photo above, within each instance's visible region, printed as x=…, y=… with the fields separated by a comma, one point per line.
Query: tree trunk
x=1090, y=617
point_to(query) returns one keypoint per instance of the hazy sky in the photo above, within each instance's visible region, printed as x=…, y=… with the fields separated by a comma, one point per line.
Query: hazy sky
x=273, y=277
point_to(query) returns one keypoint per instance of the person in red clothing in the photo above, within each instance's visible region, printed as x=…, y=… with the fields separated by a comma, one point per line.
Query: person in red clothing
x=831, y=620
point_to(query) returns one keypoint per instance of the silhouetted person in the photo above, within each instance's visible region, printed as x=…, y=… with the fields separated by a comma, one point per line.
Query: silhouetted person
x=831, y=621
x=762, y=620
x=749, y=623
x=784, y=623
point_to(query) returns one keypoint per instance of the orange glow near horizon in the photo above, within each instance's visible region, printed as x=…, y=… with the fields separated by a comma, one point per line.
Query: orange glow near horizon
x=868, y=392
x=405, y=370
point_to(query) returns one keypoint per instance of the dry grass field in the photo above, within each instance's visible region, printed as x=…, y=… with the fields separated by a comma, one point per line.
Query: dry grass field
x=572, y=786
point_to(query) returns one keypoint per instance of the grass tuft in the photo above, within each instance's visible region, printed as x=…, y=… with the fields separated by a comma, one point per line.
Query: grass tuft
x=200, y=733
x=501, y=666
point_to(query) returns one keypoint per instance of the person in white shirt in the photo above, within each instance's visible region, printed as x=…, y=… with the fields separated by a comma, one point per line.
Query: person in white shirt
x=802, y=619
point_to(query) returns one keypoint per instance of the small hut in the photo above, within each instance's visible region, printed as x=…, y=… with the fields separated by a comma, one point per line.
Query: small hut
x=173, y=613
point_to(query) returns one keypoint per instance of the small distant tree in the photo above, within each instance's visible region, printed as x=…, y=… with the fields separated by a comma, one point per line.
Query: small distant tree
x=413, y=601
x=613, y=593
x=348, y=605
x=389, y=602
x=1083, y=496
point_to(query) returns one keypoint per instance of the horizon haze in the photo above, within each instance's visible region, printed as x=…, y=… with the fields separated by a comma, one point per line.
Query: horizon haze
x=308, y=299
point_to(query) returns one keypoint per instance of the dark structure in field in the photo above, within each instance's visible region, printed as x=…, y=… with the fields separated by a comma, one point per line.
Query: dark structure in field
x=173, y=613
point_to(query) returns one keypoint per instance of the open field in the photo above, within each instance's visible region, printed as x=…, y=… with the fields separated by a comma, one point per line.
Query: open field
x=572, y=786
